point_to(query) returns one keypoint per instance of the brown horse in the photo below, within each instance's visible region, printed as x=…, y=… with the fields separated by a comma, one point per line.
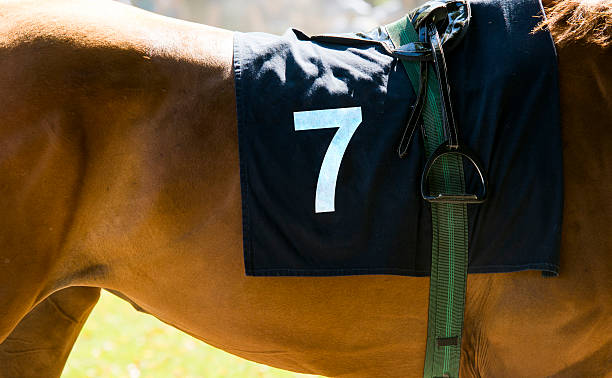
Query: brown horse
x=119, y=170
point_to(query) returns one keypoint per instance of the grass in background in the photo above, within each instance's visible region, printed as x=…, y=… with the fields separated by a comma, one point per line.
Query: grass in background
x=118, y=341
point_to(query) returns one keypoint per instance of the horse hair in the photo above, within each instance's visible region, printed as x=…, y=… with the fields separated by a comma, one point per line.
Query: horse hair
x=586, y=21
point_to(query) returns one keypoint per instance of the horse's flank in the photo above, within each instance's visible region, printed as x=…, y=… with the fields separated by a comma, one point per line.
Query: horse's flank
x=119, y=169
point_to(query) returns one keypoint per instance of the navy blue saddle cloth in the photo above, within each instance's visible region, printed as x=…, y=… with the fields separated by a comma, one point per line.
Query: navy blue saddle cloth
x=323, y=189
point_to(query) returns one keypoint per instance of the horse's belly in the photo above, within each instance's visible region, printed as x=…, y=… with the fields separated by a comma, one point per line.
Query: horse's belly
x=365, y=326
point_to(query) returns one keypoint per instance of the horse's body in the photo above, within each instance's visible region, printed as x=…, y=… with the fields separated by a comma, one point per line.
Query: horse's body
x=119, y=169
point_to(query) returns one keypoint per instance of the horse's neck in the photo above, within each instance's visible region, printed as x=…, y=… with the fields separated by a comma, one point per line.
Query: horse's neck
x=585, y=76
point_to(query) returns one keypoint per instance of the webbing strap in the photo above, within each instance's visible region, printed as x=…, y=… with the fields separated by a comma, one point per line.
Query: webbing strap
x=449, y=246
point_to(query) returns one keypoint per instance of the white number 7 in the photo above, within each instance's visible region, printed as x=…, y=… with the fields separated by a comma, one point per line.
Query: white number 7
x=346, y=120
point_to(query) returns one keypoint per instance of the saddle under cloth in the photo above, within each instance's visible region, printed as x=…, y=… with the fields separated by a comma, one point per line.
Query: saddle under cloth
x=324, y=191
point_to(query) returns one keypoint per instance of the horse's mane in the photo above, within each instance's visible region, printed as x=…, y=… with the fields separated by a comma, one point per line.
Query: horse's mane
x=588, y=21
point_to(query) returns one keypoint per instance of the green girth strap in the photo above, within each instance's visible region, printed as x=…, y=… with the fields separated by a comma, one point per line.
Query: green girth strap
x=449, y=246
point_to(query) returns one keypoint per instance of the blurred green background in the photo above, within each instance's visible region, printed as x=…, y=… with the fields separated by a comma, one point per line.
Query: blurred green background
x=118, y=341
